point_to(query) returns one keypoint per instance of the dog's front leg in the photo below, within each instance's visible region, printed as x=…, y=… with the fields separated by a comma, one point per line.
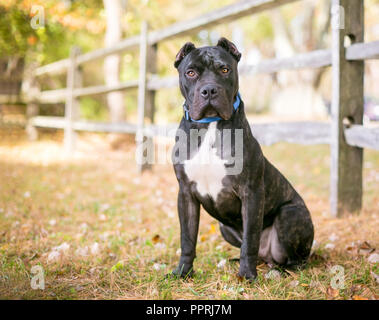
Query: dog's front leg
x=252, y=216
x=189, y=214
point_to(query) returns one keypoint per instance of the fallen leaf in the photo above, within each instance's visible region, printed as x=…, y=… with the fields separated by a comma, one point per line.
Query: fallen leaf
x=367, y=293
x=332, y=293
x=365, y=245
x=365, y=248
x=359, y=298
x=361, y=291
x=351, y=249
x=212, y=229
x=203, y=238
x=157, y=238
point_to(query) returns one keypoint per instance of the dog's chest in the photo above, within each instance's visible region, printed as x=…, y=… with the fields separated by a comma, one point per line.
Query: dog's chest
x=206, y=168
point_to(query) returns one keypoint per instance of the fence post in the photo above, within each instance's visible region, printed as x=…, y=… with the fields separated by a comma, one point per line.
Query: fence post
x=151, y=70
x=347, y=107
x=71, y=106
x=145, y=98
x=32, y=108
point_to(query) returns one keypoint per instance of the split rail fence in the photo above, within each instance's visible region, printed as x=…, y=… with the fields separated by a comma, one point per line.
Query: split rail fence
x=345, y=133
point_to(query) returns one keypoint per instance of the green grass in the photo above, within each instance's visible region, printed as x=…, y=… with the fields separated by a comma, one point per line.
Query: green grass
x=47, y=199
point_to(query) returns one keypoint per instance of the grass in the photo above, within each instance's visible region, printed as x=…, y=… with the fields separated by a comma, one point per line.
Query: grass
x=123, y=232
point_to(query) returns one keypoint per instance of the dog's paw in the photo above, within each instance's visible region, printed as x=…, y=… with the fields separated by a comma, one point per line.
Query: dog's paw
x=247, y=273
x=180, y=272
x=247, y=276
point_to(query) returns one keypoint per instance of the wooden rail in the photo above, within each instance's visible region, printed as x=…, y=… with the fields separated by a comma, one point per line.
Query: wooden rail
x=363, y=137
x=363, y=51
x=346, y=143
x=220, y=16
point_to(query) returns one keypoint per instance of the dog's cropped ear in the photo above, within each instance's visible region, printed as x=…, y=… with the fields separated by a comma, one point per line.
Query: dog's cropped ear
x=230, y=47
x=186, y=49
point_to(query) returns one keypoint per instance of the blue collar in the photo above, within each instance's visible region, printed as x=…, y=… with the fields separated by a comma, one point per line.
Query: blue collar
x=236, y=105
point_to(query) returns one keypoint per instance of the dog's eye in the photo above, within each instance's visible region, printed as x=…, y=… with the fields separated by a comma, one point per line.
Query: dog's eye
x=191, y=73
x=224, y=70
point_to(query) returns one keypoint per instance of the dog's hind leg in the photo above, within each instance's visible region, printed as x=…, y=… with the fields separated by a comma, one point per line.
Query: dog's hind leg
x=231, y=235
x=294, y=231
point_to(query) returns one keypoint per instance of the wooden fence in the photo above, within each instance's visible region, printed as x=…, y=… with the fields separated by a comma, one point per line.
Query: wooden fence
x=345, y=134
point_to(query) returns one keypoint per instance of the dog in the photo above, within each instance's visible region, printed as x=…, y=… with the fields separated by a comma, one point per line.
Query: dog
x=258, y=210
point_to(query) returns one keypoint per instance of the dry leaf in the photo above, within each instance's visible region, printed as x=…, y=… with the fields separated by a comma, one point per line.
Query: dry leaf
x=365, y=248
x=212, y=229
x=332, y=293
x=157, y=238
x=367, y=293
x=365, y=245
x=203, y=237
x=359, y=298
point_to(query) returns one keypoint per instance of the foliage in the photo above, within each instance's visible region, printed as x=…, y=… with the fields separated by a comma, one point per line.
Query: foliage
x=15, y=33
x=65, y=24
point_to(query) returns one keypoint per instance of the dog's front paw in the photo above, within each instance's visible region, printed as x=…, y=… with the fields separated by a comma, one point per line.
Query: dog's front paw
x=182, y=271
x=247, y=272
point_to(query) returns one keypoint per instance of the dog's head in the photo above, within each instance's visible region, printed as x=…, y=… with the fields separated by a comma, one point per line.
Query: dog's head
x=208, y=78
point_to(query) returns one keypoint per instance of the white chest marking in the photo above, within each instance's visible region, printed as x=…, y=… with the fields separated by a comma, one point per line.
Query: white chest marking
x=206, y=168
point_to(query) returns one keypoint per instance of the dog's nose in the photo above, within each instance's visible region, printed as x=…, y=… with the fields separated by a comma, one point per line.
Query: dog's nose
x=208, y=92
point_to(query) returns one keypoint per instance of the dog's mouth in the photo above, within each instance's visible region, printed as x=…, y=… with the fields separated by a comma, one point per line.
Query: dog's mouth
x=209, y=111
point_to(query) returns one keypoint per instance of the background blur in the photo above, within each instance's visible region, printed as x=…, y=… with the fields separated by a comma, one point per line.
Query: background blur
x=300, y=27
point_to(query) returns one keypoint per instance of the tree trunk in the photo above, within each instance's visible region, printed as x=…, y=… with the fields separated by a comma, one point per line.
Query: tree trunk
x=112, y=63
